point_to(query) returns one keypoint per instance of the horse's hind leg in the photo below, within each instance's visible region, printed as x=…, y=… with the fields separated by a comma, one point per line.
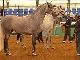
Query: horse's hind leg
x=6, y=49
x=40, y=37
x=18, y=36
x=50, y=39
x=45, y=38
x=33, y=44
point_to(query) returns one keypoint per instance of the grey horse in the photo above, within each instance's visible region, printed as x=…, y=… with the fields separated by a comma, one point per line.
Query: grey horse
x=28, y=24
x=49, y=24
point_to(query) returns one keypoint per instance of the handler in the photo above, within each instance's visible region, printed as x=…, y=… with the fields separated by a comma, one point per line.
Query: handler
x=67, y=26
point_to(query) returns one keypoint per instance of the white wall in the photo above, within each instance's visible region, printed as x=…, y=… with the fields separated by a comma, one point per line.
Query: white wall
x=33, y=2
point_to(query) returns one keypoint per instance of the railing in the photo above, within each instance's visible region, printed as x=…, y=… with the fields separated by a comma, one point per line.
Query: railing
x=26, y=11
x=18, y=12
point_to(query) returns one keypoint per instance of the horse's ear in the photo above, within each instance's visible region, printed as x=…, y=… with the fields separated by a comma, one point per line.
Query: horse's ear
x=49, y=5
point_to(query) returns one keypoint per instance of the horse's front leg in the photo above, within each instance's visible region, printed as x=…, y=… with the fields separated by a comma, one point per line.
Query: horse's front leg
x=45, y=38
x=50, y=39
x=6, y=49
x=33, y=44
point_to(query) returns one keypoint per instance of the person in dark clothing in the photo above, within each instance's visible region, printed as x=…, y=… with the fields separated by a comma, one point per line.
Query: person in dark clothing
x=77, y=33
x=67, y=26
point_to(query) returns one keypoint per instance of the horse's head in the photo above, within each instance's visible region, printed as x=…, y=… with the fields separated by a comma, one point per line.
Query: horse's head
x=45, y=8
x=48, y=7
x=58, y=11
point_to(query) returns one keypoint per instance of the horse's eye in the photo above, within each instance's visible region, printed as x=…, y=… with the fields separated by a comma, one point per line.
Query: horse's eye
x=49, y=6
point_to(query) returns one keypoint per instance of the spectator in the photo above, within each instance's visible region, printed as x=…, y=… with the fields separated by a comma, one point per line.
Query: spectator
x=67, y=26
x=77, y=32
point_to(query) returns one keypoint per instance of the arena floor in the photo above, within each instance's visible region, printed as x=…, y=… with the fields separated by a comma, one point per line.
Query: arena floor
x=62, y=51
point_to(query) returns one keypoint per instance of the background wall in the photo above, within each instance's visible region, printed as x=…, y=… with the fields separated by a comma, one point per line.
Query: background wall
x=74, y=3
x=32, y=3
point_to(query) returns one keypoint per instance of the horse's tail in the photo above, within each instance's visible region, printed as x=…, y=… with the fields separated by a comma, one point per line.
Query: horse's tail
x=1, y=38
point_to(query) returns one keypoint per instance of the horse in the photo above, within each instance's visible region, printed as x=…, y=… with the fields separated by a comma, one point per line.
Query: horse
x=49, y=25
x=24, y=25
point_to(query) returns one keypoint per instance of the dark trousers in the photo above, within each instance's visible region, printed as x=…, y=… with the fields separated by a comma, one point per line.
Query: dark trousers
x=78, y=42
x=67, y=34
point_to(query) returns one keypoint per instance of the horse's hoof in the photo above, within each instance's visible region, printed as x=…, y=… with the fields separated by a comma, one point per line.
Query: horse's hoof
x=52, y=48
x=24, y=47
x=70, y=41
x=22, y=44
x=17, y=42
x=47, y=47
x=34, y=54
x=8, y=54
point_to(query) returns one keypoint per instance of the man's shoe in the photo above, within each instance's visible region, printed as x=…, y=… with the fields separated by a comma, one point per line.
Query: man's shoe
x=70, y=41
x=78, y=54
x=64, y=41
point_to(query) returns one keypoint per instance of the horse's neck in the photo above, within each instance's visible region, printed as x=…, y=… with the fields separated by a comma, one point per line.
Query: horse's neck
x=39, y=12
x=38, y=16
x=54, y=18
x=48, y=19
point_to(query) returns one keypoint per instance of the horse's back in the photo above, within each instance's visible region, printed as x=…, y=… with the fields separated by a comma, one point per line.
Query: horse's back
x=19, y=24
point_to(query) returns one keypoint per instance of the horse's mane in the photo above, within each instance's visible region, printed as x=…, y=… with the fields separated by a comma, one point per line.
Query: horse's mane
x=40, y=7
